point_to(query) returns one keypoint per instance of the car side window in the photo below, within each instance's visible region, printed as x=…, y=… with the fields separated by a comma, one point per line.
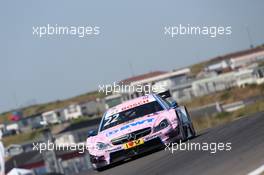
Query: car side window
x=167, y=102
x=164, y=102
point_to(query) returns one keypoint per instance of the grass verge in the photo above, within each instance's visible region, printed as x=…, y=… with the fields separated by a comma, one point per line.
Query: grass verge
x=21, y=138
x=225, y=117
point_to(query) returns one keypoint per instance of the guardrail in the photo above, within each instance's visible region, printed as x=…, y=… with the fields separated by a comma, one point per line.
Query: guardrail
x=233, y=106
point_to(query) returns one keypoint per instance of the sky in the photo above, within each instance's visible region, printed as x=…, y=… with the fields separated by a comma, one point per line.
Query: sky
x=38, y=70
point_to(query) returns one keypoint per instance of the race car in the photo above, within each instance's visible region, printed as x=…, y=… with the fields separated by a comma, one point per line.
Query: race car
x=137, y=126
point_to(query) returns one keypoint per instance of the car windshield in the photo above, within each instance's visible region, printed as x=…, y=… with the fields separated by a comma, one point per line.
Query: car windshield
x=130, y=114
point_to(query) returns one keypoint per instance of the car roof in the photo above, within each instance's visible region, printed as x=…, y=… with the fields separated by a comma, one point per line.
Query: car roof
x=131, y=104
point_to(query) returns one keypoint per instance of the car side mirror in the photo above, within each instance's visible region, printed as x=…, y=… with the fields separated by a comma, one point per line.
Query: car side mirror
x=92, y=132
x=174, y=104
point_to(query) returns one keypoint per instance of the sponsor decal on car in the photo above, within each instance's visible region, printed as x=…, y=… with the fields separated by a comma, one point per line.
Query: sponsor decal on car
x=134, y=124
x=133, y=143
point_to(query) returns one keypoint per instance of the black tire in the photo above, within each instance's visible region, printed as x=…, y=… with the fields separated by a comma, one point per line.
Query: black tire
x=183, y=133
x=190, y=127
x=98, y=169
x=191, y=132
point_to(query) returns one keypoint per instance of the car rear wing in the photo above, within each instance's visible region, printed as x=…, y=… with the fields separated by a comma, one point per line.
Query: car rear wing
x=165, y=94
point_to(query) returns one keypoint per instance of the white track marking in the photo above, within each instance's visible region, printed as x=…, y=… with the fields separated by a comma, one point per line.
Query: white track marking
x=257, y=171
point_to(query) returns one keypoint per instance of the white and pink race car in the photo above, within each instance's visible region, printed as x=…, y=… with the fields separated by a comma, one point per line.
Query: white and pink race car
x=138, y=126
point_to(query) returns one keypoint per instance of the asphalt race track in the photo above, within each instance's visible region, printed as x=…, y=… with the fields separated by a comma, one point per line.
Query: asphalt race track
x=247, y=153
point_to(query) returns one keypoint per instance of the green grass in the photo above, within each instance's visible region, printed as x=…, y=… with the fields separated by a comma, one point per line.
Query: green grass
x=261, y=63
x=34, y=134
x=225, y=117
x=197, y=68
x=83, y=119
x=227, y=96
x=23, y=137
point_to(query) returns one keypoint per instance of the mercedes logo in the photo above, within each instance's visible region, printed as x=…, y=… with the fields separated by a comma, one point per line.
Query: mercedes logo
x=131, y=136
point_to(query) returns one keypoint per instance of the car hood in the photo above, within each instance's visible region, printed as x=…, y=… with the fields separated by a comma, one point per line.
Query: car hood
x=107, y=135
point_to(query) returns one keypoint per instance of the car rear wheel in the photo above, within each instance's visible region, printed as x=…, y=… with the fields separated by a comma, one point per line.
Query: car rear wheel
x=183, y=133
x=98, y=168
x=190, y=131
x=193, y=130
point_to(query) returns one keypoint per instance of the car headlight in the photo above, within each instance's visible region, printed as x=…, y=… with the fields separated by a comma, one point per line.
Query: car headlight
x=102, y=146
x=163, y=124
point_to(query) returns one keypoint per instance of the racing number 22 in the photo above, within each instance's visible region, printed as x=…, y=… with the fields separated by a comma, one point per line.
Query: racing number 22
x=111, y=119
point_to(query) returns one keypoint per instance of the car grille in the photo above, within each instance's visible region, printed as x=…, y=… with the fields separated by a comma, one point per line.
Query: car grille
x=150, y=145
x=131, y=136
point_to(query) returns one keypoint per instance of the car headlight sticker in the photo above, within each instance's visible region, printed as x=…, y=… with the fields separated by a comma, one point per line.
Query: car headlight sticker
x=102, y=146
x=163, y=124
